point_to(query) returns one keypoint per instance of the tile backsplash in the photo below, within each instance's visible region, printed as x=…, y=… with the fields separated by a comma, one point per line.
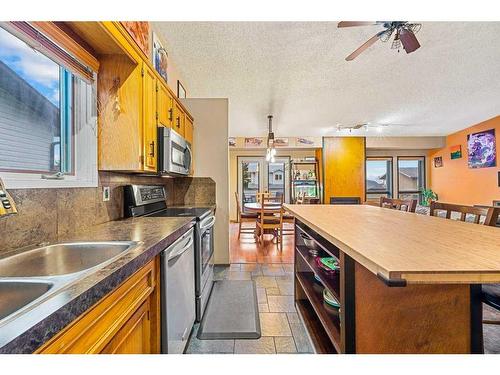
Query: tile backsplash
x=48, y=214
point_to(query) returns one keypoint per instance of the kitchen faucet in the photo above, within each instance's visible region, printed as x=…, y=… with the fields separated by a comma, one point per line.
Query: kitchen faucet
x=7, y=204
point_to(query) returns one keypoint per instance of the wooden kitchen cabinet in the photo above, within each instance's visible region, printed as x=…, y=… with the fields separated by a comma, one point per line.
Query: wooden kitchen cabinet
x=135, y=336
x=133, y=100
x=164, y=105
x=120, y=135
x=127, y=320
x=179, y=119
x=149, y=118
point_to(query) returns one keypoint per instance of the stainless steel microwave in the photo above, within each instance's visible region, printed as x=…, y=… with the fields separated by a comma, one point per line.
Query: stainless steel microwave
x=175, y=153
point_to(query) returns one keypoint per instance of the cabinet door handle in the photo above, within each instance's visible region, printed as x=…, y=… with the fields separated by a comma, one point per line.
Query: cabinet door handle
x=170, y=114
x=178, y=121
x=152, y=153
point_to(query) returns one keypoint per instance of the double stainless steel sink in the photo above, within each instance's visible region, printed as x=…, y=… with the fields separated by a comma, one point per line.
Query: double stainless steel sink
x=33, y=275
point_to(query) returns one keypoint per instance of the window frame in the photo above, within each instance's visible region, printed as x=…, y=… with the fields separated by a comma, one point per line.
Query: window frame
x=85, y=173
x=390, y=192
x=423, y=173
x=83, y=142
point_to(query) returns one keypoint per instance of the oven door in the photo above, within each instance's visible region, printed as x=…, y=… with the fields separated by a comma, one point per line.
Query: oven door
x=205, y=253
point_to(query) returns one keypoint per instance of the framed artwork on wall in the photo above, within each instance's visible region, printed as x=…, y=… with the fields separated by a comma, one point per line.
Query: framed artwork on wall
x=456, y=152
x=481, y=149
x=281, y=142
x=181, y=91
x=160, y=57
x=438, y=162
x=139, y=31
x=254, y=142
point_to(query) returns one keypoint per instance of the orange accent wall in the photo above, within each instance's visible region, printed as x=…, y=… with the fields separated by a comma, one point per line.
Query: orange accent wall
x=455, y=182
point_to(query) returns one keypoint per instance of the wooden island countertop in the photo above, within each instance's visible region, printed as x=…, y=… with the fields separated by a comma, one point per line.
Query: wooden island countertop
x=408, y=247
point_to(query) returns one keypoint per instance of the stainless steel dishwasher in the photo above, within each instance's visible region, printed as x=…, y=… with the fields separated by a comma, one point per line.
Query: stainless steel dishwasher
x=178, y=308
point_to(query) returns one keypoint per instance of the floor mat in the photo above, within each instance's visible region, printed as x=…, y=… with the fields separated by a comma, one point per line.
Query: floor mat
x=232, y=312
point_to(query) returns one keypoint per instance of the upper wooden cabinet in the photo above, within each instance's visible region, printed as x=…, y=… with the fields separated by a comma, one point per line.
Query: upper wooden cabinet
x=120, y=133
x=179, y=119
x=133, y=100
x=149, y=118
x=164, y=105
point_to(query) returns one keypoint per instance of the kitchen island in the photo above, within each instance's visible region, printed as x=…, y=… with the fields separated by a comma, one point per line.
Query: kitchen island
x=407, y=283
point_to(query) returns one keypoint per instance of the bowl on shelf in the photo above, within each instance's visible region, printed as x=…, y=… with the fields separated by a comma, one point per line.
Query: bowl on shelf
x=309, y=242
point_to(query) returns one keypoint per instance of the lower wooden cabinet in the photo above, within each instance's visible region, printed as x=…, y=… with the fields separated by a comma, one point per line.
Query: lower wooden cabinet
x=125, y=321
x=135, y=336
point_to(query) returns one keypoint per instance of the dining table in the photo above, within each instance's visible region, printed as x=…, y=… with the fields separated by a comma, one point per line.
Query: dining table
x=256, y=207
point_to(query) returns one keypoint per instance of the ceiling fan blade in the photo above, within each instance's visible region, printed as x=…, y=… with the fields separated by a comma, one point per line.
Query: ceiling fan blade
x=408, y=40
x=356, y=23
x=364, y=46
x=358, y=126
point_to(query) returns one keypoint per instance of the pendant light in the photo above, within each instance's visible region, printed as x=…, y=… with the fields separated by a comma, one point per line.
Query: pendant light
x=271, y=150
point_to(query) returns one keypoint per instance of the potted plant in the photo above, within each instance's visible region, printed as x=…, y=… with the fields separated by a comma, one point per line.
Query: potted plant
x=427, y=196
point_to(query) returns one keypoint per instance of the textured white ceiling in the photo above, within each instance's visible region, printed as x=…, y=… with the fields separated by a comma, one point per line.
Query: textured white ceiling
x=297, y=72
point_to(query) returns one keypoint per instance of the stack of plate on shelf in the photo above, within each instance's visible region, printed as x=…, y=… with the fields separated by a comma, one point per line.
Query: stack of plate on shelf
x=330, y=299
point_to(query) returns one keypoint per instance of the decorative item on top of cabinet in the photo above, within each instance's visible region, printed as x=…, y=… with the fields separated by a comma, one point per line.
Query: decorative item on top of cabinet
x=149, y=118
x=164, y=105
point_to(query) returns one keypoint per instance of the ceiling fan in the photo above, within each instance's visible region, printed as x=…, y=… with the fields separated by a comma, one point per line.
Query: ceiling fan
x=404, y=35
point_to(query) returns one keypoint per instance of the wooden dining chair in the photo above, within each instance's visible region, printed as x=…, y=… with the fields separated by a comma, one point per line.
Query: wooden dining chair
x=490, y=292
x=408, y=205
x=270, y=219
x=490, y=214
x=244, y=217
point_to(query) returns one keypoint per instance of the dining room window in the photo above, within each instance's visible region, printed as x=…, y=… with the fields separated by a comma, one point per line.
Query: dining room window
x=411, y=177
x=378, y=177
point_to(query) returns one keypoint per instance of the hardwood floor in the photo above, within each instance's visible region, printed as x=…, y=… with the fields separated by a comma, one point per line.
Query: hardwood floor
x=246, y=250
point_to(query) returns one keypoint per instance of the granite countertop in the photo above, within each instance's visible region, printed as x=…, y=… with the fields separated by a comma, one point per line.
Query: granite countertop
x=60, y=309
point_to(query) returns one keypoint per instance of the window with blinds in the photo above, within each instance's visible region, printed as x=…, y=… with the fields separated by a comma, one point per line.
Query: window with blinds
x=37, y=83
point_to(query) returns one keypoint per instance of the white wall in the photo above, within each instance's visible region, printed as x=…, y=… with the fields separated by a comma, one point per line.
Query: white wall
x=211, y=159
x=405, y=143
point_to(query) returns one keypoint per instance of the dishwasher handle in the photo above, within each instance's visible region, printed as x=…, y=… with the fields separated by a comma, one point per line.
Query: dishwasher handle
x=177, y=252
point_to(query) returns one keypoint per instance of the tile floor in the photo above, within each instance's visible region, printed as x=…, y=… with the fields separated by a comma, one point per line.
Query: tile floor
x=282, y=331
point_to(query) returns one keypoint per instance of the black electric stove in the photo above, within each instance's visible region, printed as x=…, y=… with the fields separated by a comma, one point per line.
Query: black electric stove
x=150, y=200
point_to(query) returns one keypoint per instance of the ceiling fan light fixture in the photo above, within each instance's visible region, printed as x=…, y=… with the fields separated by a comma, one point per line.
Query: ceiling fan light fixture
x=271, y=150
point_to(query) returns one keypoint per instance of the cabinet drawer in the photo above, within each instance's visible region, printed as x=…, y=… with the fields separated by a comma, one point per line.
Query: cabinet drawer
x=92, y=331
